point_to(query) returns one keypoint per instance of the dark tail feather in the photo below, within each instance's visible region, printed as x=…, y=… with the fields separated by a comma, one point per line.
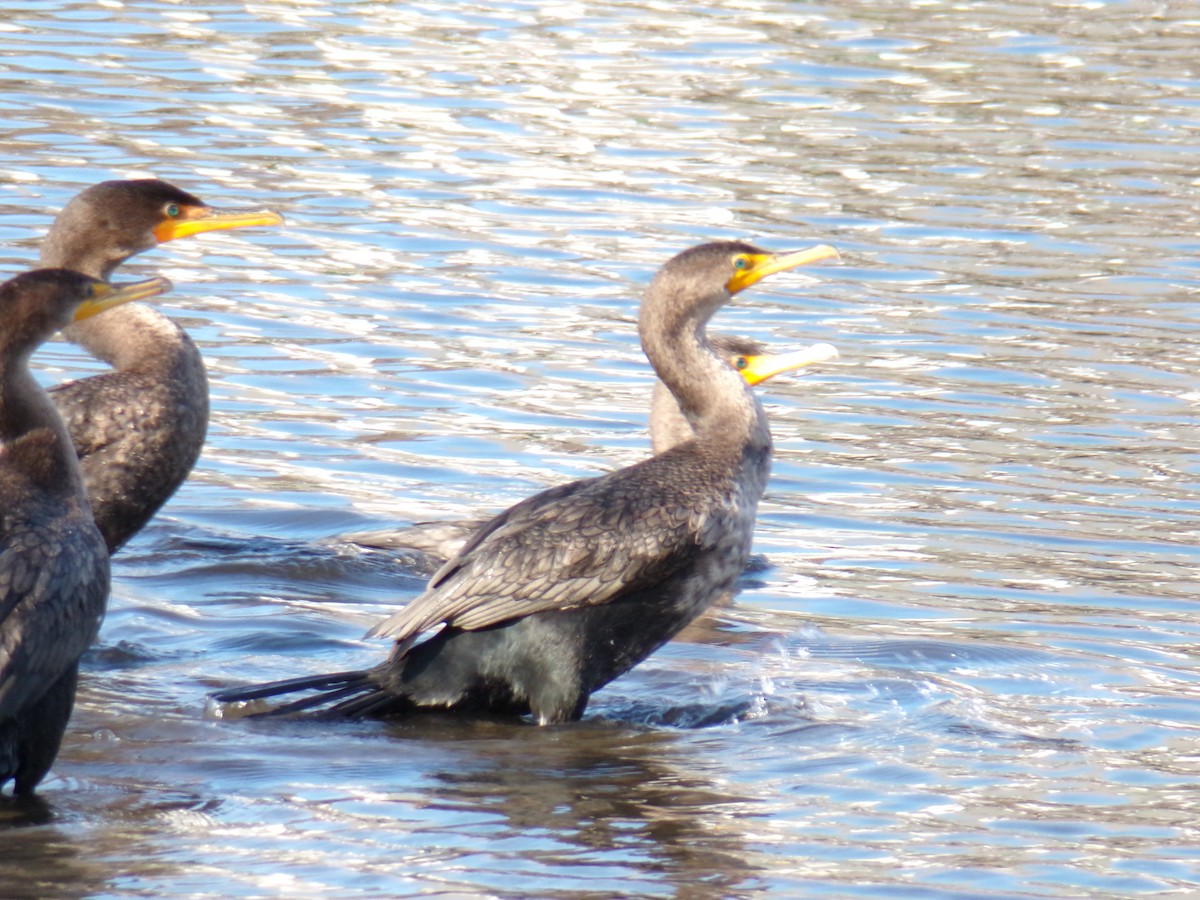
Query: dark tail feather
x=364, y=705
x=335, y=687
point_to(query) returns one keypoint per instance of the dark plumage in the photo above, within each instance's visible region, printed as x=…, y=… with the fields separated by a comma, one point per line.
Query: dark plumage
x=668, y=427
x=138, y=429
x=565, y=591
x=53, y=562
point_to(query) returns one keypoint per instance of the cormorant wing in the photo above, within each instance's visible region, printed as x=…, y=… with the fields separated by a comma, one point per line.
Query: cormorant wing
x=51, y=605
x=579, y=544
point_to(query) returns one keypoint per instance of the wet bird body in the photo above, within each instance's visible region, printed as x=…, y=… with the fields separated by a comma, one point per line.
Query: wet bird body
x=54, y=570
x=567, y=590
x=138, y=429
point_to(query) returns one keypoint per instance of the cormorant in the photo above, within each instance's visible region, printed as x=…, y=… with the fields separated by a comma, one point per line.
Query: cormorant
x=138, y=429
x=53, y=562
x=668, y=425
x=568, y=589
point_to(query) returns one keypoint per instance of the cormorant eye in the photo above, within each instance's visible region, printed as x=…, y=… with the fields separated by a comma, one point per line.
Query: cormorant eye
x=741, y=261
x=740, y=363
x=172, y=210
x=89, y=291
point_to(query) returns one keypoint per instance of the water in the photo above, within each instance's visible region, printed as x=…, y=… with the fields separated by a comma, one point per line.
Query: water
x=969, y=671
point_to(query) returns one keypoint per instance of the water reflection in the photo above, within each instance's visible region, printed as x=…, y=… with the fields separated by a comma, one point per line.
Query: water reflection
x=65, y=871
x=570, y=798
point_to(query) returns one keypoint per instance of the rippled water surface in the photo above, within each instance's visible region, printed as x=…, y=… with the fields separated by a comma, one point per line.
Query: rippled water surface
x=970, y=669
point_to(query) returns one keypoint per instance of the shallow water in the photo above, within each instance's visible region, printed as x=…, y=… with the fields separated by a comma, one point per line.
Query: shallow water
x=970, y=669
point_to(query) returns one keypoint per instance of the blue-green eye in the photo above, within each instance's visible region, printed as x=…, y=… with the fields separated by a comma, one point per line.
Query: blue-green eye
x=172, y=210
x=89, y=291
x=740, y=363
x=740, y=262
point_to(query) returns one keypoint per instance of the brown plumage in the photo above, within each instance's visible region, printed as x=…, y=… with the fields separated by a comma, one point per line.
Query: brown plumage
x=53, y=562
x=138, y=429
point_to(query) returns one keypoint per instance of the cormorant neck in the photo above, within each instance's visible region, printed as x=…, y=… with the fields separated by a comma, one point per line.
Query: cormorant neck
x=668, y=427
x=129, y=336
x=22, y=401
x=712, y=397
x=32, y=434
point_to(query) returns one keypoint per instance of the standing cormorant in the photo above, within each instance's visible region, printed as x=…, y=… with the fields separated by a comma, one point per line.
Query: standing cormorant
x=138, y=429
x=53, y=562
x=565, y=591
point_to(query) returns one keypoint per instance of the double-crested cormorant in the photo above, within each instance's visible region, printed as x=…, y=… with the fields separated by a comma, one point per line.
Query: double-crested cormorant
x=138, y=429
x=668, y=427
x=53, y=562
x=565, y=591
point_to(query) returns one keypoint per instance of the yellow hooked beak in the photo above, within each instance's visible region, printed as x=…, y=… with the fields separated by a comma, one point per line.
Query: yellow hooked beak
x=106, y=296
x=754, y=267
x=757, y=369
x=189, y=220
